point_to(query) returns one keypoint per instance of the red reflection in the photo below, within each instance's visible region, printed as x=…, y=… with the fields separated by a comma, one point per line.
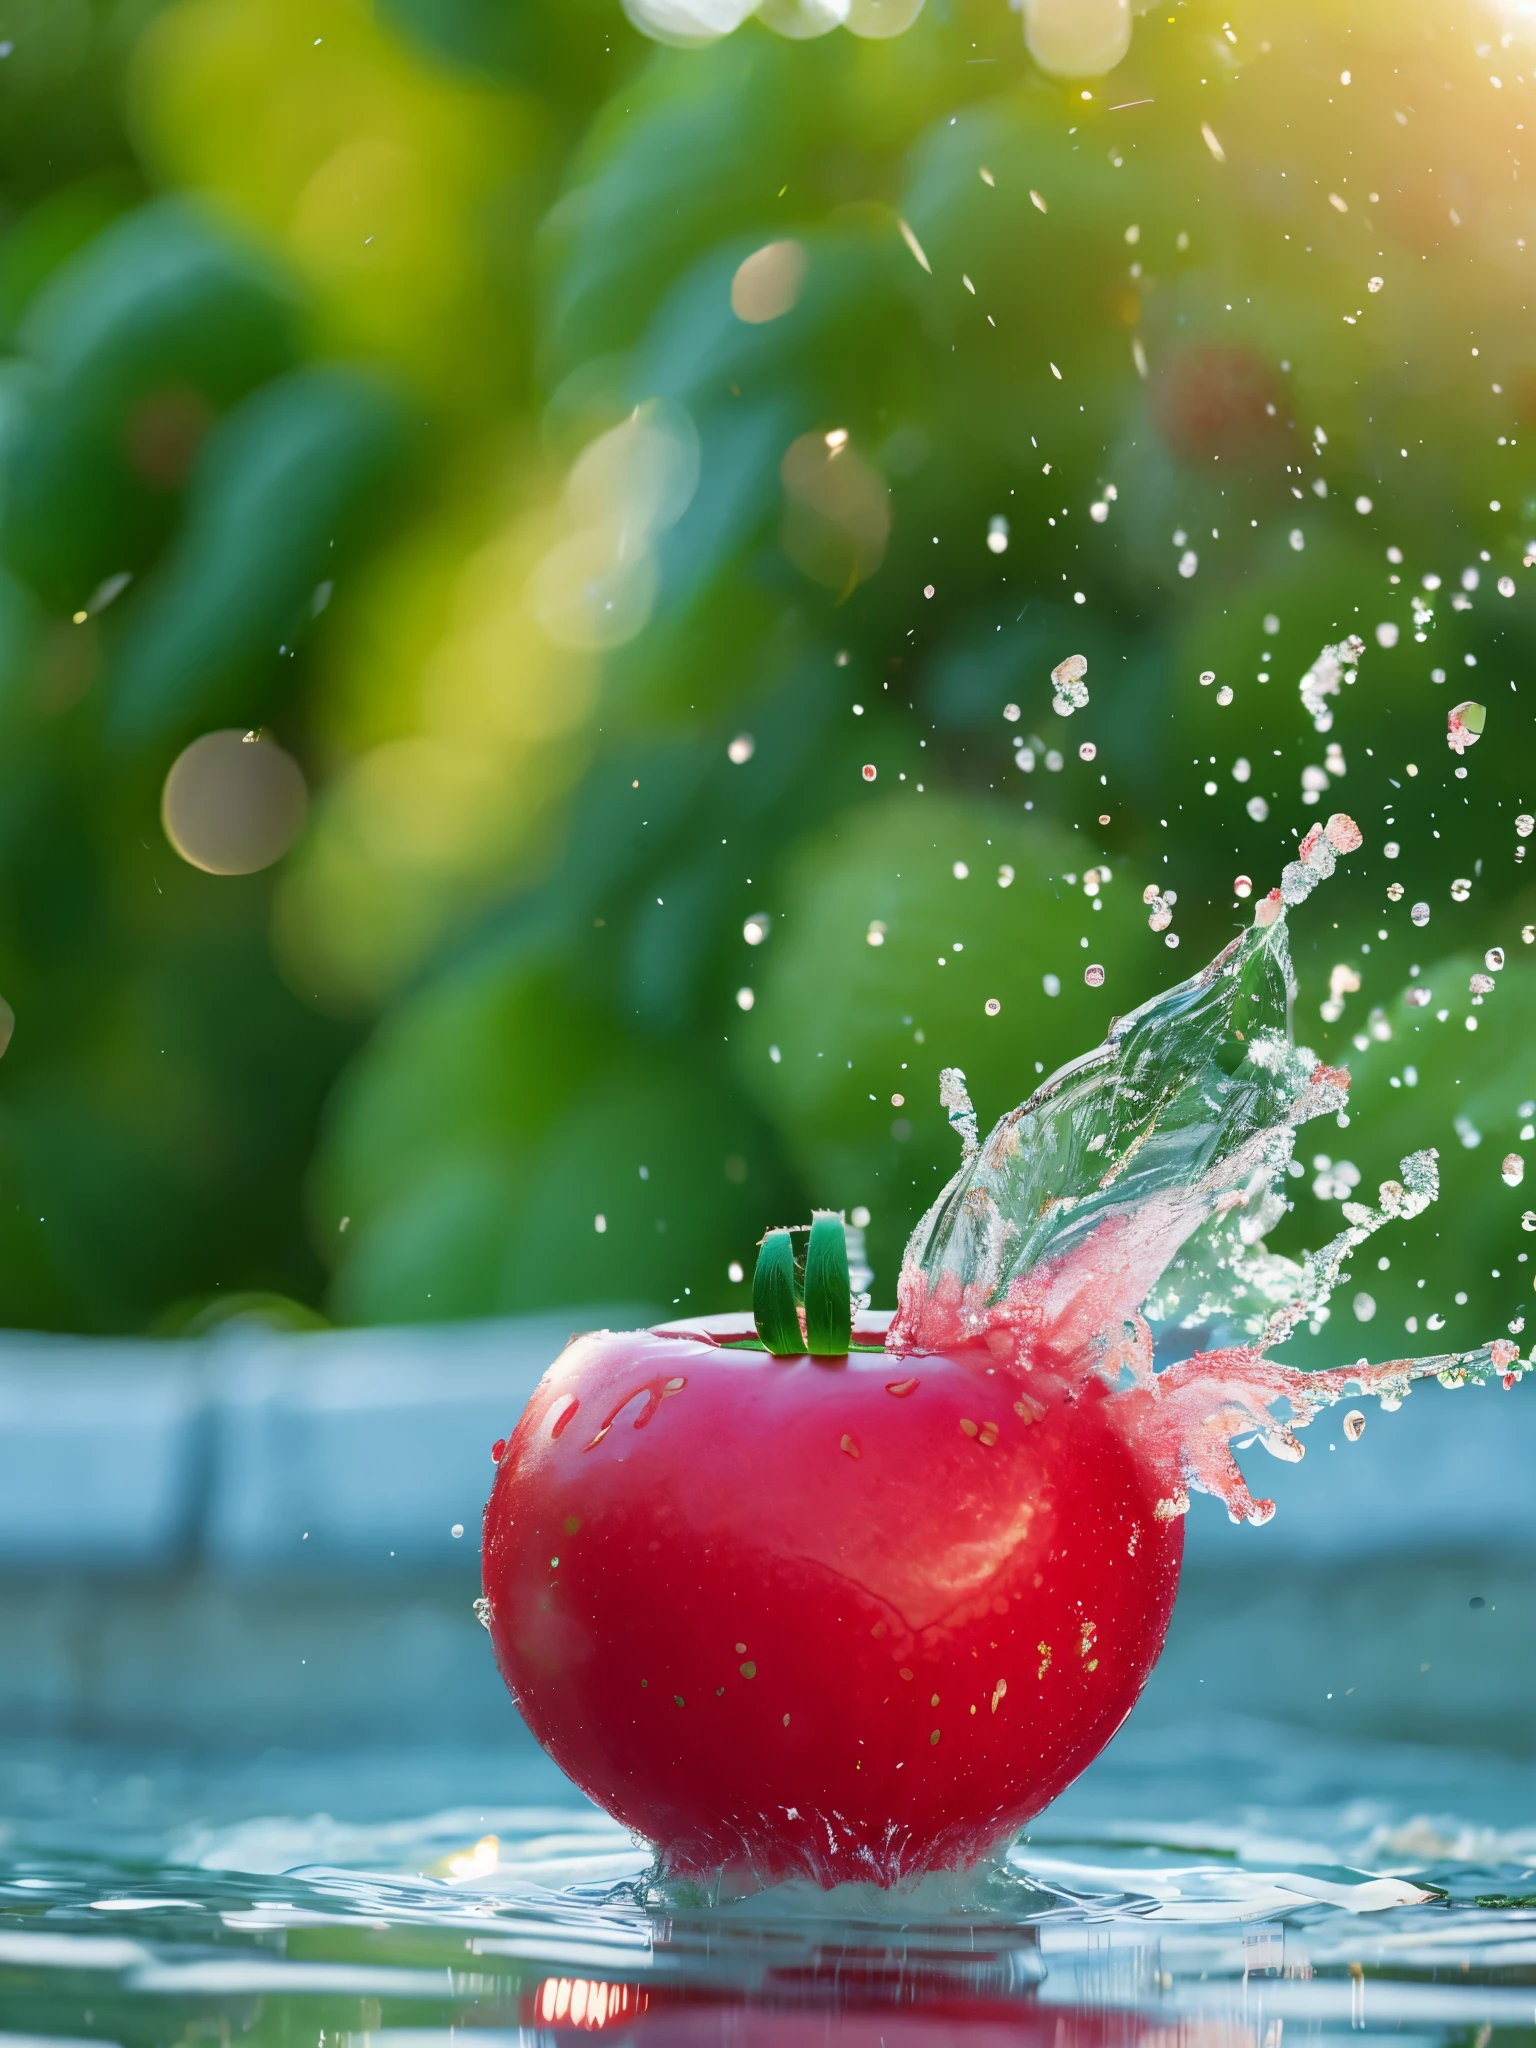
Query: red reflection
x=699, y=2018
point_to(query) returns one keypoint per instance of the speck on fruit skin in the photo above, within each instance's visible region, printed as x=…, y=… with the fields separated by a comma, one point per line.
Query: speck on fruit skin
x=856, y=1586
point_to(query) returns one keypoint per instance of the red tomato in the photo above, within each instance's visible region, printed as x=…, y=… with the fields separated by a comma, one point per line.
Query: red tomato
x=852, y=1618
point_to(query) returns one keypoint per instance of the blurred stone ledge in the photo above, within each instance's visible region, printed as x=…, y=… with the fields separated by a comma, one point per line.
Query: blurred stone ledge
x=359, y=1450
x=257, y=1450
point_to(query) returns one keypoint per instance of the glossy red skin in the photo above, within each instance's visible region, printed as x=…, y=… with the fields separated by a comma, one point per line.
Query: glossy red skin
x=881, y=1597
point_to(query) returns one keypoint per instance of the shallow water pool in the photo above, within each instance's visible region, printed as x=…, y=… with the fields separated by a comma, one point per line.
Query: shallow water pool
x=1286, y=1842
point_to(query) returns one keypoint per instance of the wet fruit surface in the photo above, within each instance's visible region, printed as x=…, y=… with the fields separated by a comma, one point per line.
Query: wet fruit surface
x=844, y=1618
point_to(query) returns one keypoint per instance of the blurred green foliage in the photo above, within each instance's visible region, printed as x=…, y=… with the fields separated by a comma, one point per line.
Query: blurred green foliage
x=310, y=312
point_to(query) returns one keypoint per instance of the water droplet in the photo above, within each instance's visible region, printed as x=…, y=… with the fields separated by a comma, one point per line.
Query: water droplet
x=1051, y=983
x=960, y=871
x=742, y=748
x=1354, y=1425
x=456, y=1531
x=1012, y=713
x=1207, y=677
x=756, y=928
x=1189, y=562
x=1394, y=892
x=1087, y=751
x=993, y=1006
x=1420, y=913
x=561, y=1415
x=735, y=1273
x=997, y=537
x=868, y=771
x=1512, y=1167
x=1481, y=985
x=1094, y=975
x=875, y=936
x=1364, y=1307
x=1224, y=694
x=1461, y=889
x=1257, y=808
x=745, y=999
x=497, y=1448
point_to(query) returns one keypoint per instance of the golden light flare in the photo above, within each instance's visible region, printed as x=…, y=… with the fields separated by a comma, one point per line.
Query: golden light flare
x=473, y=726
x=373, y=170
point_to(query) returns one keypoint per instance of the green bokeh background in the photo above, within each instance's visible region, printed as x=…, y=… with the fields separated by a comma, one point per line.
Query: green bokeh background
x=306, y=312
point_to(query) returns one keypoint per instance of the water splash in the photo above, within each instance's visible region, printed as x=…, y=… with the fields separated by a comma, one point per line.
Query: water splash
x=1143, y=1179
x=1321, y=681
x=1067, y=682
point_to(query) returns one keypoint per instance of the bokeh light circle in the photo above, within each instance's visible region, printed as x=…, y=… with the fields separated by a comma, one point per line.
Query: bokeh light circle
x=880, y=18
x=802, y=19
x=233, y=803
x=767, y=283
x=687, y=24
x=1077, y=38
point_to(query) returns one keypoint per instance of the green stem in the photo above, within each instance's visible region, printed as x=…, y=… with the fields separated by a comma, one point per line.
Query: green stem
x=828, y=1309
x=773, y=1296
